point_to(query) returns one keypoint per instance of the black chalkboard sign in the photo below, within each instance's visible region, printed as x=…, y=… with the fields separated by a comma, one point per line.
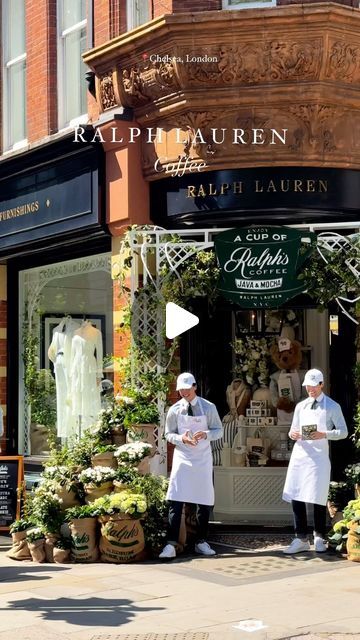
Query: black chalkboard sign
x=11, y=477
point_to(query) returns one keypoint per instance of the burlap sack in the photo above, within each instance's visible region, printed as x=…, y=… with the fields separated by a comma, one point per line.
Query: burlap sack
x=50, y=540
x=83, y=540
x=118, y=436
x=37, y=550
x=61, y=556
x=92, y=492
x=19, y=549
x=119, y=486
x=67, y=496
x=144, y=433
x=122, y=539
x=106, y=459
x=353, y=542
x=39, y=436
x=143, y=466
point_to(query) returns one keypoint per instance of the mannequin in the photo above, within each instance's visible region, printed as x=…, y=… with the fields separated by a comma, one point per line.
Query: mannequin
x=59, y=353
x=86, y=373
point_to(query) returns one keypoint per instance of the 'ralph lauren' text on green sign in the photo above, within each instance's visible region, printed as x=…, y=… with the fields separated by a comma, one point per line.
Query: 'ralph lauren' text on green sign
x=260, y=265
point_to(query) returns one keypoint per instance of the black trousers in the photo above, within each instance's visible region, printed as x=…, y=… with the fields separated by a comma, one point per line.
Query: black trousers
x=202, y=521
x=300, y=519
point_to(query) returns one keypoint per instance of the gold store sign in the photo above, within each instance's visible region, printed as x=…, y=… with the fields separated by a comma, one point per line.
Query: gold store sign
x=239, y=187
x=21, y=210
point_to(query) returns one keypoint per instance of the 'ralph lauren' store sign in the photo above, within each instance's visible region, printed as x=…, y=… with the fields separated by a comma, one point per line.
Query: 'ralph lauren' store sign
x=261, y=194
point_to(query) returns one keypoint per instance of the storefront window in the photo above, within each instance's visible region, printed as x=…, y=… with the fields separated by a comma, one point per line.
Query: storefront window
x=66, y=337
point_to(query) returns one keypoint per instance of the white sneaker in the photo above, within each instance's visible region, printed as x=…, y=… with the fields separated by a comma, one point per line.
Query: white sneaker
x=320, y=545
x=297, y=546
x=204, y=549
x=168, y=552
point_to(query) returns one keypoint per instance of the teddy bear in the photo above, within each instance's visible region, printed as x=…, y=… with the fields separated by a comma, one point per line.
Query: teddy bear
x=286, y=383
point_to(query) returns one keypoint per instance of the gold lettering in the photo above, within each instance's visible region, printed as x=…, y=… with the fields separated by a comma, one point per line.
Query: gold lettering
x=310, y=186
x=212, y=189
x=323, y=186
x=224, y=188
x=202, y=191
x=258, y=186
x=271, y=186
x=297, y=185
x=15, y=212
x=191, y=191
x=237, y=187
x=284, y=187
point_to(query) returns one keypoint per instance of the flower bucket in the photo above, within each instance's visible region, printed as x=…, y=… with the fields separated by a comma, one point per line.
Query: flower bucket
x=118, y=436
x=143, y=432
x=37, y=550
x=353, y=542
x=67, y=496
x=119, y=486
x=92, y=492
x=122, y=539
x=143, y=466
x=105, y=459
x=20, y=548
x=61, y=556
x=83, y=540
x=50, y=540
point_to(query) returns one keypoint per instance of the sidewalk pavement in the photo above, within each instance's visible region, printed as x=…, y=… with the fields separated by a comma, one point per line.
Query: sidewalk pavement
x=310, y=596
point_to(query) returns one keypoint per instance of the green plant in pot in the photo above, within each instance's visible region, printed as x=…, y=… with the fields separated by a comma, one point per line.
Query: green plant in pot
x=141, y=418
x=41, y=396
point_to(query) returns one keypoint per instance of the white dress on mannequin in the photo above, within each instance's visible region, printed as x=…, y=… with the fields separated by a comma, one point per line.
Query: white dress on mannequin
x=59, y=353
x=85, y=373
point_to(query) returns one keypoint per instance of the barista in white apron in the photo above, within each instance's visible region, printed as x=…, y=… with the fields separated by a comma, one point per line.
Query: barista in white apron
x=316, y=420
x=191, y=424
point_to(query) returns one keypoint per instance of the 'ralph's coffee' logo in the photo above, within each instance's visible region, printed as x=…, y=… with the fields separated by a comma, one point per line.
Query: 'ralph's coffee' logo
x=260, y=265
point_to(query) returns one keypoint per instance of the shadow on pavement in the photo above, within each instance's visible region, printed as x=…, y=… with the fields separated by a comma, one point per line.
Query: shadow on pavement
x=90, y=612
x=26, y=572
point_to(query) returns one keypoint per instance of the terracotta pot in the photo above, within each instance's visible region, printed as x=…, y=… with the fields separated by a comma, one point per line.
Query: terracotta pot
x=144, y=433
x=105, y=459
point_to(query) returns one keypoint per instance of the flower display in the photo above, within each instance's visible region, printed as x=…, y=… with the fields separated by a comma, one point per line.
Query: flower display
x=126, y=501
x=353, y=473
x=252, y=359
x=133, y=452
x=60, y=474
x=96, y=475
x=110, y=418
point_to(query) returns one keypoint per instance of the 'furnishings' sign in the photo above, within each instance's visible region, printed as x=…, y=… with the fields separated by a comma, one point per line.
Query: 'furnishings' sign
x=260, y=265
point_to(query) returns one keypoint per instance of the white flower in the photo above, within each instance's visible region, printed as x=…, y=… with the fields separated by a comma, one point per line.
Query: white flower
x=96, y=475
x=133, y=451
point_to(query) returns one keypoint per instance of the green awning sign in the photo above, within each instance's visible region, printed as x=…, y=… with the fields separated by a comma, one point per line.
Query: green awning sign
x=260, y=265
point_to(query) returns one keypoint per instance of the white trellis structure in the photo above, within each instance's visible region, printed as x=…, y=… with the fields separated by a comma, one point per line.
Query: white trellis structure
x=154, y=248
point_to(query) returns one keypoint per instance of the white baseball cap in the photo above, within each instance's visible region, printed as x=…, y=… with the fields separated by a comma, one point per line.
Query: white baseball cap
x=185, y=381
x=313, y=377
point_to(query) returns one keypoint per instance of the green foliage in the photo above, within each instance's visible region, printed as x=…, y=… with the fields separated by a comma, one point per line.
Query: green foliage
x=127, y=501
x=352, y=472
x=82, y=511
x=340, y=493
x=20, y=525
x=46, y=508
x=63, y=543
x=39, y=384
x=155, y=524
x=356, y=434
x=35, y=534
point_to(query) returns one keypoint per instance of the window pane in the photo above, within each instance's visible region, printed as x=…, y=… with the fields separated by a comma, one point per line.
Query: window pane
x=142, y=10
x=17, y=102
x=74, y=11
x=15, y=12
x=74, y=75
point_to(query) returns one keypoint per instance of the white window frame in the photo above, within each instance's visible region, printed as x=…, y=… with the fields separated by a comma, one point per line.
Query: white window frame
x=255, y=4
x=61, y=36
x=132, y=13
x=7, y=107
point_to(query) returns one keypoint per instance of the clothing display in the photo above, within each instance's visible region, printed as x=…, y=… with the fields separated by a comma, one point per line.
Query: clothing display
x=59, y=353
x=86, y=373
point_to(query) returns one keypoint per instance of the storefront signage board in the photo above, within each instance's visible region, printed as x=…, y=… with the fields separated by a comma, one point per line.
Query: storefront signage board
x=269, y=194
x=260, y=265
x=11, y=478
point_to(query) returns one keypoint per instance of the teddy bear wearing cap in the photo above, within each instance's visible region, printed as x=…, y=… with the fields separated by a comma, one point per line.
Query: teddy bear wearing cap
x=286, y=383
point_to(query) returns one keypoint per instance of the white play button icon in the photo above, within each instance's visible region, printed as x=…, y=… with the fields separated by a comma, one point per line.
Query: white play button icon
x=178, y=320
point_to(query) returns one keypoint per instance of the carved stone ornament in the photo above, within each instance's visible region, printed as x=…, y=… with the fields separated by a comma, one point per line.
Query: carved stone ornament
x=107, y=93
x=344, y=62
x=147, y=81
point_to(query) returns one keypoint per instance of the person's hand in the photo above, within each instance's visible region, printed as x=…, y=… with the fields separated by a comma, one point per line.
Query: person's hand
x=317, y=435
x=200, y=435
x=189, y=439
x=295, y=435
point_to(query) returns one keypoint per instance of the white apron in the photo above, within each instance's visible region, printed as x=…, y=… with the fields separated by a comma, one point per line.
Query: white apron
x=191, y=474
x=308, y=474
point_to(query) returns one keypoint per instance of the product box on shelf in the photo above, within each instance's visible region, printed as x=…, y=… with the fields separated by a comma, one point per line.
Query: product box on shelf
x=258, y=404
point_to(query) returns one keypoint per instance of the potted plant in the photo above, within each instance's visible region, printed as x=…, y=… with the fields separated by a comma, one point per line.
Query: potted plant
x=110, y=424
x=97, y=482
x=352, y=472
x=62, y=550
x=339, y=496
x=155, y=524
x=122, y=535
x=141, y=418
x=82, y=523
x=135, y=454
x=65, y=484
x=103, y=456
x=36, y=542
x=19, y=549
x=124, y=476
